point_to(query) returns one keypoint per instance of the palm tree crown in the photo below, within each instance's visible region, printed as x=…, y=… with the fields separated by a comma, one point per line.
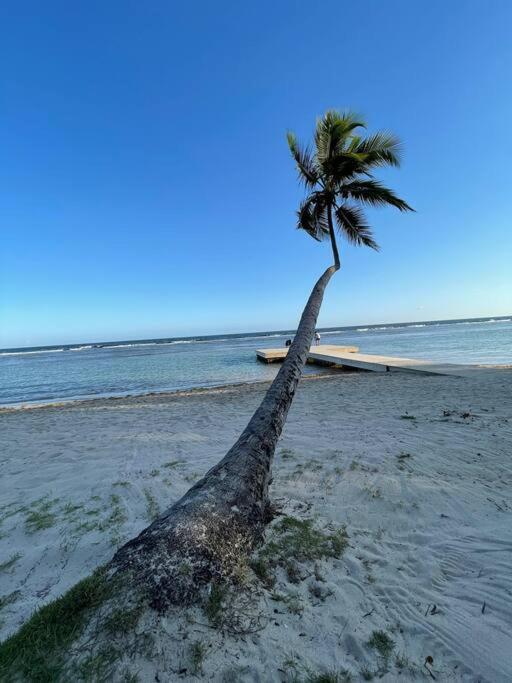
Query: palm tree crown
x=338, y=176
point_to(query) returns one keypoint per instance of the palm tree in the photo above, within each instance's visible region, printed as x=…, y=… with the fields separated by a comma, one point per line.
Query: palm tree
x=222, y=517
x=339, y=177
x=204, y=536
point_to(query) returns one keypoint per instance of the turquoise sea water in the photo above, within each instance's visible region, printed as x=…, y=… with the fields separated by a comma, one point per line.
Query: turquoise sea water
x=136, y=367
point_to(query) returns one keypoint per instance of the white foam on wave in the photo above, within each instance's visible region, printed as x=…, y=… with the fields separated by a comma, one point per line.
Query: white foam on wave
x=24, y=353
x=484, y=322
x=128, y=346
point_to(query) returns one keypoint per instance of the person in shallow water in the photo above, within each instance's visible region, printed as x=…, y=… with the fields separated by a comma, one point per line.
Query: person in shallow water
x=288, y=342
x=317, y=339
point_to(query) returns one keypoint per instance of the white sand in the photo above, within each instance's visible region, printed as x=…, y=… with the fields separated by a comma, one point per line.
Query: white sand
x=430, y=528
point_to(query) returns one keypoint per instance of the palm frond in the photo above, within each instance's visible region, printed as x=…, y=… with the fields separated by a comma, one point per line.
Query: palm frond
x=303, y=160
x=372, y=192
x=343, y=168
x=312, y=216
x=379, y=149
x=333, y=131
x=352, y=223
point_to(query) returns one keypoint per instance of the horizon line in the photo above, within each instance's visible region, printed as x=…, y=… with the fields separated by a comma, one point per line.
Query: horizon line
x=202, y=337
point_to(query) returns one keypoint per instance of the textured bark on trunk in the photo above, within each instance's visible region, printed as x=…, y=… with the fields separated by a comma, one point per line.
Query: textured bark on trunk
x=211, y=530
x=333, y=239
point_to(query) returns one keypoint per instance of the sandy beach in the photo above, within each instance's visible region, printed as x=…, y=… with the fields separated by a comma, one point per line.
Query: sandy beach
x=416, y=468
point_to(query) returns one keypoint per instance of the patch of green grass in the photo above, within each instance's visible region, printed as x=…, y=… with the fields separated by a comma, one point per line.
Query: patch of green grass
x=301, y=540
x=86, y=527
x=403, y=663
x=172, y=463
x=381, y=642
x=297, y=540
x=214, y=608
x=154, y=473
x=117, y=516
x=5, y=566
x=93, y=512
x=292, y=601
x=36, y=651
x=192, y=477
x=69, y=509
x=40, y=516
x=330, y=677
x=406, y=416
x=291, y=668
x=263, y=570
x=367, y=674
x=313, y=465
x=97, y=667
x=124, y=484
x=286, y=453
x=197, y=656
x=123, y=621
x=152, y=507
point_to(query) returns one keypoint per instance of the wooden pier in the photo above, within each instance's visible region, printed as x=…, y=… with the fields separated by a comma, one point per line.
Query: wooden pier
x=276, y=355
x=349, y=356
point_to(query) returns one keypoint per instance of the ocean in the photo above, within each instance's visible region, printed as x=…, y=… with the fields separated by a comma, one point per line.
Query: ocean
x=119, y=368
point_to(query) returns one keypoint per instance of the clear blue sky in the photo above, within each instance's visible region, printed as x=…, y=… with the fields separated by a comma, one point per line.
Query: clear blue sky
x=146, y=189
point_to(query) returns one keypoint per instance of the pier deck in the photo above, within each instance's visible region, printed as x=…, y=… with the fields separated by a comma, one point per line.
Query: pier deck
x=348, y=356
x=274, y=355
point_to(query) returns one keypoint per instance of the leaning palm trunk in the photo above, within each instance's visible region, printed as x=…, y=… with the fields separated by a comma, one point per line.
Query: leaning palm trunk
x=208, y=533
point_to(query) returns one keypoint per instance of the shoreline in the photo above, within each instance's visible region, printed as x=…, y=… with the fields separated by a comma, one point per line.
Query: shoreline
x=62, y=403
x=217, y=388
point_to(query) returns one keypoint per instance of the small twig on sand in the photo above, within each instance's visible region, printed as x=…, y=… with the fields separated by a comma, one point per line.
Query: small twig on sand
x=429, y=660
x=369, y=613
x=428, y=607
x=483, y=607
x=430, y=672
